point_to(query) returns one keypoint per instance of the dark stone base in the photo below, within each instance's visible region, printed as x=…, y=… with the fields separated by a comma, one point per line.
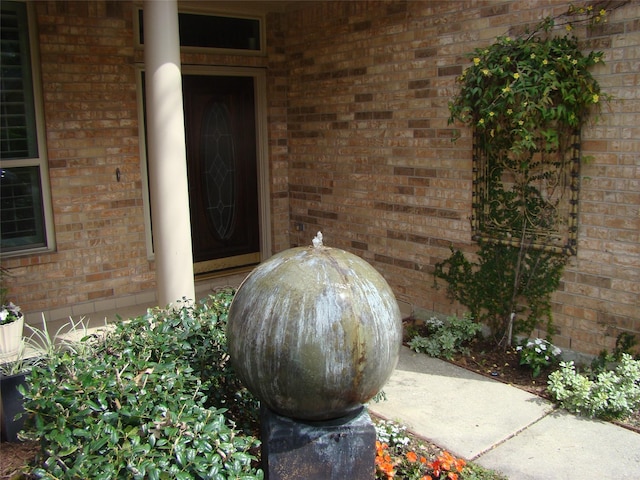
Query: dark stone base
x=339, y=449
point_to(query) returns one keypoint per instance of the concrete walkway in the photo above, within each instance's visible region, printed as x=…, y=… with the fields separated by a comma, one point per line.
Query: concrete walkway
x=502, y=427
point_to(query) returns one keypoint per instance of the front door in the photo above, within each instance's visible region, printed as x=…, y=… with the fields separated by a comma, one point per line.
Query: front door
x=220, y=126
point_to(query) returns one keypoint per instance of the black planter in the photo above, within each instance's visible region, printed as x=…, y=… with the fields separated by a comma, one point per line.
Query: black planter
x=11, y=404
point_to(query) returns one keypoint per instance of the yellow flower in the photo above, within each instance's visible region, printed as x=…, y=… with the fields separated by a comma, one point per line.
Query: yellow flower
x=595, y=98
x=589, y=8
x=485, y=71
x=481, y=121
x=476, y=60
x=516, y=75
x=507, y=59
x=520, y=122
x=509, y=111
x=533, y=55
x=491, y=114
x=603, y=12
x=574, y=61
x=506, y=89
x=545, y=61
x=569, y=27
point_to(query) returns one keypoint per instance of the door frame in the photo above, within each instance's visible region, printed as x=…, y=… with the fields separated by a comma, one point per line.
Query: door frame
x=262, y=148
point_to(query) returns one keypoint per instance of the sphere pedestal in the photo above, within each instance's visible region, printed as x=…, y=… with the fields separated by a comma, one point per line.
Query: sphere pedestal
x=338, y=449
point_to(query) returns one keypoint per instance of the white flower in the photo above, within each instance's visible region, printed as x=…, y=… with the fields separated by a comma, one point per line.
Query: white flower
x=9, y=313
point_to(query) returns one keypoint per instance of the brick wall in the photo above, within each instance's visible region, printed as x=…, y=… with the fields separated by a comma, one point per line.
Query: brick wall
x=88, y=70
x=359, y=147
x=372, y=165
x=90, y=107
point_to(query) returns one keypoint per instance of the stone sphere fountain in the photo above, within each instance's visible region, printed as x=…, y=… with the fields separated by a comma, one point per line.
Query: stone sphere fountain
x=314, y=332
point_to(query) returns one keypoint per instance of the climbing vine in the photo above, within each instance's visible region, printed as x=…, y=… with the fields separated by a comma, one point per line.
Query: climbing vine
x=526, y=98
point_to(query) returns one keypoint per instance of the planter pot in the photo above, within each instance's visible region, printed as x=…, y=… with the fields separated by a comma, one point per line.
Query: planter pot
x=11, y=404
x=11, y=338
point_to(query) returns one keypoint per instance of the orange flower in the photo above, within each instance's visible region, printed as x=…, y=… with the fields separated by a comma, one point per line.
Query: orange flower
x=446, y=459
x=460, y=464
x=435, y=466
x=412, y=457
x=383, y=460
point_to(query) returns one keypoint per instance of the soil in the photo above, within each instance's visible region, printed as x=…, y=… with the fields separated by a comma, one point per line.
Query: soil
x=483, y=358
x=502, y=365
x=14, y=456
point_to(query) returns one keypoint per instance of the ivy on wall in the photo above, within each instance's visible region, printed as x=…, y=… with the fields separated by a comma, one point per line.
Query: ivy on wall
x=526, y=99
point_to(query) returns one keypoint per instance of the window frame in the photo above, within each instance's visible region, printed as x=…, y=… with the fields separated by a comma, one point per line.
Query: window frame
x=41, y=160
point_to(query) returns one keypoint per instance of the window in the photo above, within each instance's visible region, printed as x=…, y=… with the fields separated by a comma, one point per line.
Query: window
x=205, y=31
x=25, y=216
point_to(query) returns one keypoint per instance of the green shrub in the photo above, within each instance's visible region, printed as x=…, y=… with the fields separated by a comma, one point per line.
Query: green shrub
x=150, y=400
x=625, y=343
x=507, y=288
x=612, y=394
x=445, y=338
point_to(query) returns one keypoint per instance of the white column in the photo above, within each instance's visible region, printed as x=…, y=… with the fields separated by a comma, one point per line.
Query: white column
x=166, y=152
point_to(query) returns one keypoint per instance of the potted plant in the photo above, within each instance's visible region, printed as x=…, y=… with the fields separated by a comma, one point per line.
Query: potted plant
x=13, y=374
x=11, y=324
x=36, y=349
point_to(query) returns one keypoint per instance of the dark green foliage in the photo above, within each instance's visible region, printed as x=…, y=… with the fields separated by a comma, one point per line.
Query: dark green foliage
x=444, y=339
x=504, y=280
x=625, y=344
x=148, y=401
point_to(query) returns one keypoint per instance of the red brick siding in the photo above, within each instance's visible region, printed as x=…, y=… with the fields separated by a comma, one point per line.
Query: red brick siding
x=89, y=94
x=372, y=164
x=359, y=147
